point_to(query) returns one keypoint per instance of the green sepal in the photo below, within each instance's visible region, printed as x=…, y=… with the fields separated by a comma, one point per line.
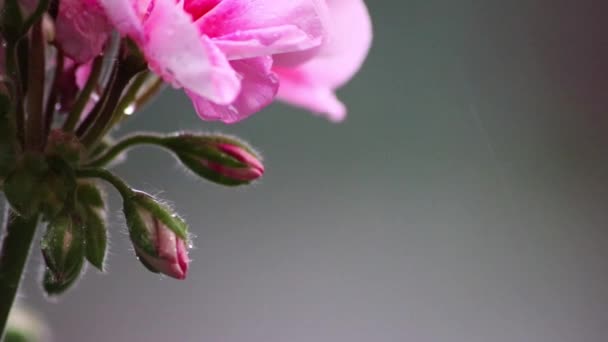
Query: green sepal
x=91, y=208
x=24, y=187
x=191, y=149
x=96, y=237
x=63, y=248
x=143, y=204
x=89, y=194
x=163, y=213
x=138, y=232
x=60, y=187
x=203, y=146
x=54, y=286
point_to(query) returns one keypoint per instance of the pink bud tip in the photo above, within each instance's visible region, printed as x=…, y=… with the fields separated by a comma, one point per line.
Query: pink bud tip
x=253, y=171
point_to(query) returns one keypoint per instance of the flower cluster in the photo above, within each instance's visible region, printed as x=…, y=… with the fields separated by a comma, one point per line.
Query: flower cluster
x=70, y=71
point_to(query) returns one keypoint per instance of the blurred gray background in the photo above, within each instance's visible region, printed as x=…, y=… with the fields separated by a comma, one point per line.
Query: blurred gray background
x=464, y=199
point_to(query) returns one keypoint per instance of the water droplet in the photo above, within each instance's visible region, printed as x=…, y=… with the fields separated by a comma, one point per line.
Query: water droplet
x=130, y=109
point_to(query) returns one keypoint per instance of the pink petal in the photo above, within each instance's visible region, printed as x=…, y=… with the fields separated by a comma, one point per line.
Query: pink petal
x=182, y=257
x=124, y=16
x=244, y=29
x=258, y=88
x=82, y=29
x=300, y=90
x=311, y=84
x=197, y=8
x=175, y=49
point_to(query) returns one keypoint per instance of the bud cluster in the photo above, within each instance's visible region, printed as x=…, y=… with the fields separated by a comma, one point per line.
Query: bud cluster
x=56, y=115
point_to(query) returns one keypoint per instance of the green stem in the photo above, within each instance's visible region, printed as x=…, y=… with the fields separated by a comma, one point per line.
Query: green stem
x=35, y=93
x=149, y=92
x=32, y=19
x=54, y=92
x=122, y=187
x=89, y=120
x=105, y=116
x=17, y=113
x=84, y=96
x=18, y=236
x=114, y=151
x=129, y=97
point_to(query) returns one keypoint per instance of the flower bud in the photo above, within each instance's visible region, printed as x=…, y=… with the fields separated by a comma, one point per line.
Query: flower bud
x=63, y=250
x=217, y=158
x=158, y=235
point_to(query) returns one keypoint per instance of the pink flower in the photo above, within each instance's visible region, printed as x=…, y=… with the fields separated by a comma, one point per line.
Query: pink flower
x=219, y=51
x=82, y=29
x=311, y=84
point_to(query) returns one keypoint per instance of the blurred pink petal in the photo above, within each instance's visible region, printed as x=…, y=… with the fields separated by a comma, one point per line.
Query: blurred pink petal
x=259, y=86
x=189, y=43
x=244, y=29
x=71, y=81
x=82, y=29
x=175, y=49
x=312, y=84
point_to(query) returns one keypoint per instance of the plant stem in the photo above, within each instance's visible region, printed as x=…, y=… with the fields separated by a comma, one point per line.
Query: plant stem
x=35, y=94
x=138, y=139
x=89, y=120
x=149, y=93
x=84, y=96
x=17, y=114
x=122, y=187
x=105, y=117
x=129, y=97
x=52, y=99
x=18, y=236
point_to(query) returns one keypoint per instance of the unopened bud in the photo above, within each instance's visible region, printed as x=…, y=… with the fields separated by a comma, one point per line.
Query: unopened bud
x=158, y=235
x=219, y=159
x=63, y=250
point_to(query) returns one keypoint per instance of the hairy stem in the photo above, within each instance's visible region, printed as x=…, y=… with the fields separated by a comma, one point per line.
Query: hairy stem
x=18, y=235
x=122, y=187
x=123, y=145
